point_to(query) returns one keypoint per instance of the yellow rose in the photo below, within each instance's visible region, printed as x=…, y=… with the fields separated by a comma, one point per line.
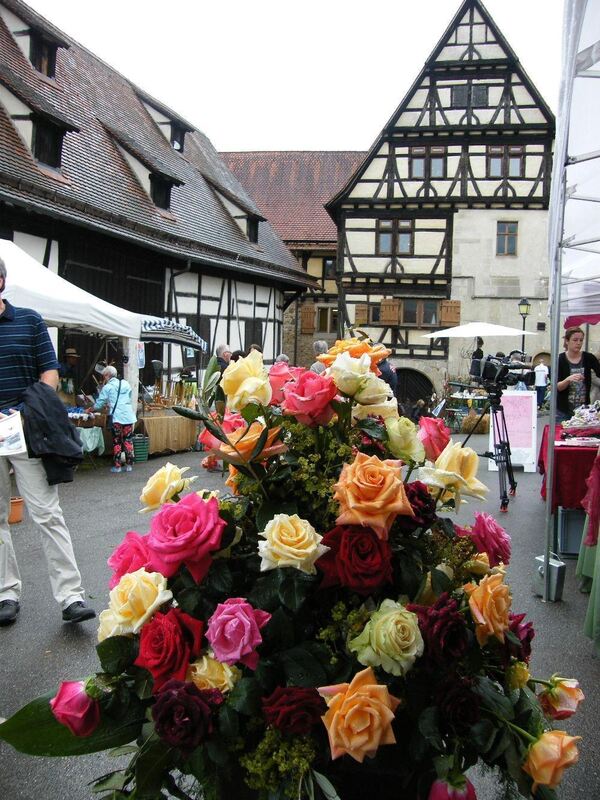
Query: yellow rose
x=246, y=381
x=136, y=597
x=403, y=440
x=387, y=409
x=359, y=716
x=391, y=639
x=208, y=673
x=290, y=542
x=464, y=461
x=478, y=565
x=517, y=675
x=548, y=758
x=490, y=604
x=163, y=486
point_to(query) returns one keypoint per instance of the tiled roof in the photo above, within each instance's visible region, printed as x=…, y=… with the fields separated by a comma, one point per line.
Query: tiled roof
x=291, y=187
x=98, y=188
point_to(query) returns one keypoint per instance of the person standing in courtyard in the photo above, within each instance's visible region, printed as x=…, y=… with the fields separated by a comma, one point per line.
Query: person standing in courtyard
x=541, y=381
x=223, y=356
x=574, y=380
x=115, y=395
x=26, y=357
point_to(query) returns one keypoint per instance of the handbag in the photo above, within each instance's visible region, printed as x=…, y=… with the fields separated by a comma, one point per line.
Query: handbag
x=109, y=418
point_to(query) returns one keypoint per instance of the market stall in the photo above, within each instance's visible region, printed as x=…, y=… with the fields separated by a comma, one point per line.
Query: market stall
x=64, y=305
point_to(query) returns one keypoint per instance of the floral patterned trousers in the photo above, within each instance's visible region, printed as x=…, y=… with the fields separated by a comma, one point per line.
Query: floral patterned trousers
x=122, y=441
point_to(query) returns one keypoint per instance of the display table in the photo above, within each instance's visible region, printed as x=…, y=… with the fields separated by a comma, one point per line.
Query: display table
x=168, y=432
x=572, y=465
x=459, y=405
x=92, y=439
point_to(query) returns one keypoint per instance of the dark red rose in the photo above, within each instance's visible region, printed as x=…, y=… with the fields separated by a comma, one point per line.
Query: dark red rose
x=294, y=710
x=524, y=633
x=459, y=706
x=423, y=506
x=357, y=559
x=184, y=715
x=444, y=630
x=167, y=643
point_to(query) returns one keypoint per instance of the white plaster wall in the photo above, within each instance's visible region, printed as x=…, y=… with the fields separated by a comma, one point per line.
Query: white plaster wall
x=139, y=170
x=35, y=246
x=15, y=24
x=164, y=123
x=14, y=107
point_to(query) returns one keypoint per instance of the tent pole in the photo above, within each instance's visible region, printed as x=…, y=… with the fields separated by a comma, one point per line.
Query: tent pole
x=554, y=349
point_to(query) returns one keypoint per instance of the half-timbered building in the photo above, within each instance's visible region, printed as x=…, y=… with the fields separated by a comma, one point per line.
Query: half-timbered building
x=120, y=195
x=445, y=219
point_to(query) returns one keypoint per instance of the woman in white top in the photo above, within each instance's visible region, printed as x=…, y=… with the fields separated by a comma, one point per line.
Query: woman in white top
x=116, y=396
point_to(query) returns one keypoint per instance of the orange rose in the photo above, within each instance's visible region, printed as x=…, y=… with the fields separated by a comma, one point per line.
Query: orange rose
x=561, y=698
x=489, y=603
x=355, y=348
x=371, y=493
x=548, y=758
x=359, y=716
x=231, y=481
x=245, y=441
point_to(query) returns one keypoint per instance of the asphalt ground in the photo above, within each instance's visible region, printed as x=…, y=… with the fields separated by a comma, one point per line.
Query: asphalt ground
x=39, y=650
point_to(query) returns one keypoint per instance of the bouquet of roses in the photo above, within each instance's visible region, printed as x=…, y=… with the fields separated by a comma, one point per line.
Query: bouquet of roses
x=319, y=631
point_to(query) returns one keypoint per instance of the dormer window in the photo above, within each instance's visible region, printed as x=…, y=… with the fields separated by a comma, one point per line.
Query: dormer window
x=177, y=137
x=46, y=143
x=252, y=229
x=160, y=191
x=42, y=54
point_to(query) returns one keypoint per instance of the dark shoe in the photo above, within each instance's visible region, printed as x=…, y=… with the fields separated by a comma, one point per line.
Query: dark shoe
x=78, y=612
x=8, y=612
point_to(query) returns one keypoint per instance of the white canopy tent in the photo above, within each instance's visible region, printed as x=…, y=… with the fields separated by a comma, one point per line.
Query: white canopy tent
x=471, y=330
x=574, y=224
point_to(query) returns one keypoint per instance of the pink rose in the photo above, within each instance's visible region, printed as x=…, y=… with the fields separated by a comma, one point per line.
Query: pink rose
x=129, y=556
x=279, y=374
x=187, y=533
x=434, y=436
x=308, y=399
x=442, y=790
x=488, y=537
x=74, y=708
x=234, y=631
x=231, y=422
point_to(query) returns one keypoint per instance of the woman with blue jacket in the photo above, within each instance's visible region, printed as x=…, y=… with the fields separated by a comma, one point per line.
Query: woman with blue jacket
x=116, y=396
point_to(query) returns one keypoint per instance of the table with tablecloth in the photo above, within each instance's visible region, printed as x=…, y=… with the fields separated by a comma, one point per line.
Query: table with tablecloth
x=572, y=465
x=92, y=439
x=168, y=432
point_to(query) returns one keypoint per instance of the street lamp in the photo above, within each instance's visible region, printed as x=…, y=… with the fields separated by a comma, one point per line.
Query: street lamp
x=524, y=309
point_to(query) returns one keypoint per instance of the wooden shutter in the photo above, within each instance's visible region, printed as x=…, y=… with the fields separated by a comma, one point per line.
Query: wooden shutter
x=307, y=318
x=361, y=314
x=450, y=312
x=390, y=312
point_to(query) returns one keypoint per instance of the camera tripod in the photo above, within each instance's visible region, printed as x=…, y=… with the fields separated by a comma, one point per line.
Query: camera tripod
x=501, y=454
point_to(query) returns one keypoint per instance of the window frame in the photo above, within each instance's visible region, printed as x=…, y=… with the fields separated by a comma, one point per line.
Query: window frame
x=426, y=154
x=505, y=152
x=177, y=137
x=42, y=54
x=505, y=236
x=470, y=94
x=395, y=231
x=419, y=312
x=252, y=228
x=39, y=142
x=159, y=184
x=329, y=274
x=331, y=312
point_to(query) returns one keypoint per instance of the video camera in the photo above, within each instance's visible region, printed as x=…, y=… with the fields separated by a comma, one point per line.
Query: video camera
x=502, y=372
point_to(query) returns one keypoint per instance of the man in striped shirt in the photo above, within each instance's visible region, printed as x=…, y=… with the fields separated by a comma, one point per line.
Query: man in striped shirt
x=27, y=356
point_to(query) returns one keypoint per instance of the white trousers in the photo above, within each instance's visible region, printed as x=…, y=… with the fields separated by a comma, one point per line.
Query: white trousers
x=43, y=506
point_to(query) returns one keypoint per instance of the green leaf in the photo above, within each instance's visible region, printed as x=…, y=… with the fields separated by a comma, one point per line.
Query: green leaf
x=126, y=750
x=117, y=653
x=443, y=764
x=212, y=370
x=514, y=762
x=493, y=699
x=143, y=683
x=229, y=722
x=279, y=631
x=114, y=780
x=251, y=412
x=326, y=786
x=216, y=431
x=245, y=697
x=302, y=668
x=429, y=727
x=440, y=582
x=502, y=741
x=217, y=751
x=154, y=761
x=183, y=411
x=482, y=735
x=260, y=444
x=265, y=592
x=295, y=586
x=34, y=730
x=219, y=580
x=373, y=429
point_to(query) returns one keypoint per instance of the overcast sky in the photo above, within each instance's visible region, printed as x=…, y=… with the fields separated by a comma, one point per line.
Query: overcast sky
x=285, y=75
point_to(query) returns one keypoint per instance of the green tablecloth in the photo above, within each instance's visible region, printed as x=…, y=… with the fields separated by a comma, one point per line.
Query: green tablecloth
x=92, y=439
x=588, y=571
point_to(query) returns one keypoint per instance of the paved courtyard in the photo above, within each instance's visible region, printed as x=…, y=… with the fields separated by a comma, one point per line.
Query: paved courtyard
x=39, y=651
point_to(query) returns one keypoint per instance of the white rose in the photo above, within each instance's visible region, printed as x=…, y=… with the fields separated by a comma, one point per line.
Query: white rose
x=349, y=373
x=373, y=390
x=385, y=410
x=290, y=542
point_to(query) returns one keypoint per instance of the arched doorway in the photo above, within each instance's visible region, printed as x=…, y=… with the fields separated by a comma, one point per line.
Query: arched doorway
x=543, y=355
x=413, y=385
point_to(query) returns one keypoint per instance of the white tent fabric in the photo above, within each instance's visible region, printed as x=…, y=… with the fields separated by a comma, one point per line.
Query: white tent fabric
x=574, y=225
x=472, y=330
x=64, y=305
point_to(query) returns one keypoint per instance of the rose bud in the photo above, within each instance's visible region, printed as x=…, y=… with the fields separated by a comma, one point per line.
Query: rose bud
x=560, y=699
x=459, y=789
x=74, y=708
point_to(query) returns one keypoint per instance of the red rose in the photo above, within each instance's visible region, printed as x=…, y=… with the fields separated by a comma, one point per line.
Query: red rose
x=423, y=506
x=308, y=399
x=167, y=644
x=357, y=559
x=434, y=436
x=184, y=716
x=294, y=710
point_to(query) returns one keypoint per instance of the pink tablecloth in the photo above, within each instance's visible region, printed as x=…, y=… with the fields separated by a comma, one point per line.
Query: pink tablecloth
x=572, y=467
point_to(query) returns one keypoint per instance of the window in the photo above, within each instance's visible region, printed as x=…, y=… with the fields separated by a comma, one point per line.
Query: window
x=468, y=94
x=47, y=142
x=327, y=318
x=375, y=314
x=160, y=191
x=427, y=162
x=253, y=333
x=506, y=238
x=329, y=268
x=42, y=54
x=420, y=313
x=177, y=137
x=252, y=228
x=505, y=161
x=394, y=237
